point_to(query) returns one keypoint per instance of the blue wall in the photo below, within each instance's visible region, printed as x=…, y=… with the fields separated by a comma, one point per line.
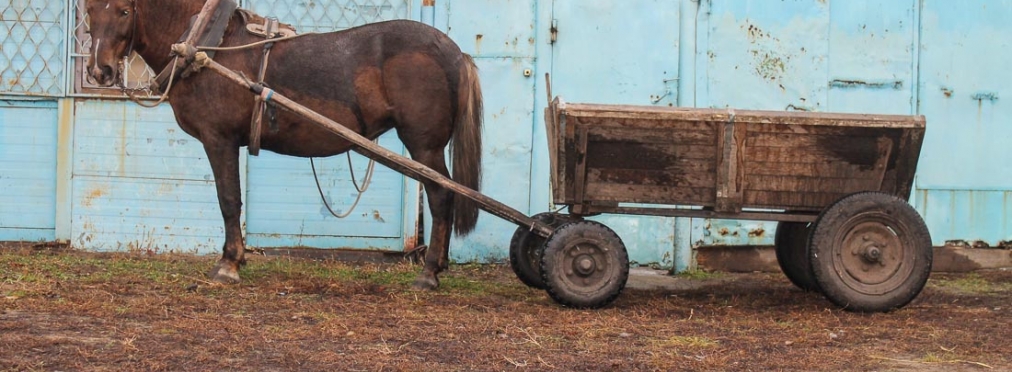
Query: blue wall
x=106, y=174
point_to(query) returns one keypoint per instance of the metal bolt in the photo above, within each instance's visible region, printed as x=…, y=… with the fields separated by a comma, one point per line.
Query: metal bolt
x=527, y=72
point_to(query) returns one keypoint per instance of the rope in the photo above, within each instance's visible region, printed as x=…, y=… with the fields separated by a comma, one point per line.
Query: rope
x=250, y=45
x=361, y=189
x=161, y=99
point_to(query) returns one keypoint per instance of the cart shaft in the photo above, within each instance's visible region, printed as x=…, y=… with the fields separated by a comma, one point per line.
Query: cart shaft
x=393, y=160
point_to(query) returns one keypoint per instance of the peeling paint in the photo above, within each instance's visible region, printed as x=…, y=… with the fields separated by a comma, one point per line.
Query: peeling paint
x=844, y=83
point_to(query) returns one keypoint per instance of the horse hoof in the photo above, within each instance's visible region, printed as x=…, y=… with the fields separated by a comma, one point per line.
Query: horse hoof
x=223, y=275
x=425, y=284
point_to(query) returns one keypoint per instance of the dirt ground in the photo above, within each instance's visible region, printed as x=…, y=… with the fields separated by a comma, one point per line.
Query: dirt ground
x=70, y=310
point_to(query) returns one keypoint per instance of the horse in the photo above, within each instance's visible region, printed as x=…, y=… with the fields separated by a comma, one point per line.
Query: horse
x=400, y=75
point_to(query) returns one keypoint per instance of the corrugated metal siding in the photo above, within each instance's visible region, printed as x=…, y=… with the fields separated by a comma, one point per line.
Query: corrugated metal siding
x=27, y=170
x=964, y=176
x=140, y=182
x=502, y=43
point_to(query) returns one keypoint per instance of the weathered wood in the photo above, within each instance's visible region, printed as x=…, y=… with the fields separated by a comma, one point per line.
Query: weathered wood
x=694, y=134
x=824, y=169
x=811, y=184
x=395, y=161
x=580, y=168
x=676, y=178
x=792, y=199
x=624, y=193
x=671, y=211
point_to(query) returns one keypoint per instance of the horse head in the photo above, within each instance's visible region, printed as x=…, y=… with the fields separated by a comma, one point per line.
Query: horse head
x=113, y=28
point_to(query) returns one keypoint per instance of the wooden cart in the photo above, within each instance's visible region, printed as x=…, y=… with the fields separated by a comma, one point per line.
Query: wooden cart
x=837, y=184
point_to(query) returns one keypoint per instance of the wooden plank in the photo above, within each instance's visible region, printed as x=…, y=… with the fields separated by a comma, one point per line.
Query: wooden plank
x=730, y=167
x=629, y=155
x=580, y=169
x=790, y=199
x=556, y=174
x=825, y=169
x=694, y=134
x=624, y=193
x=812, y=184
x=863, y=155
x=842, y=131
x=676, y=178
x=906, y=162
x=705, y=213
x=743, y=116
x=768, y=139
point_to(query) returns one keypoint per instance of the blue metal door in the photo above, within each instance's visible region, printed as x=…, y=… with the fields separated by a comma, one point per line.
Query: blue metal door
x=964, y=181
x=621, y=52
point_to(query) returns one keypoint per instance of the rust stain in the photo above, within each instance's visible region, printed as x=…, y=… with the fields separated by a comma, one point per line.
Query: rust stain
x=723, y=231
x=376, y=216
x=756, y=233
x=428, y=2
x=947, y=92
x=477, y=43
x=92, y=195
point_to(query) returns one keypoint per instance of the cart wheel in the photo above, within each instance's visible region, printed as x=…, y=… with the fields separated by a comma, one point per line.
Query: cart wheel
x=870, y=252
x=525, y=250
x=791, y=243
x=584, y=265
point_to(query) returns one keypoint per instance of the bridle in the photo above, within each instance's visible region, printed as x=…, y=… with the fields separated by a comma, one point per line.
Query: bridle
x=130, y=47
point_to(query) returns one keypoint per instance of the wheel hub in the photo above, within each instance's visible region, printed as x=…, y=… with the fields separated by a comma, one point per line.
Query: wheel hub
x=874, y=257
x=584, y=265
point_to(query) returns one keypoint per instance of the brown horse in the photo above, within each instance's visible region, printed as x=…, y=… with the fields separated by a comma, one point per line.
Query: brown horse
x=397, y=74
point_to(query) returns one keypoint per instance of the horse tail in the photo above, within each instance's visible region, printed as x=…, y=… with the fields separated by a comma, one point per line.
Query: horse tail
x=466, y=145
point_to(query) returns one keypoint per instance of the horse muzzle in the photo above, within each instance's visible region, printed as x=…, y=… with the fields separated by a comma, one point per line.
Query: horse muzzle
x=103, y=75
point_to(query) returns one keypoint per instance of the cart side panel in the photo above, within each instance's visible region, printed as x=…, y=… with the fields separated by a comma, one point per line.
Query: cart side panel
x=661, y=161
x=805, y=167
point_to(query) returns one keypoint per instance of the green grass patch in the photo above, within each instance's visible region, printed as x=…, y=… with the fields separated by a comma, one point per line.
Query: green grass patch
x=700, y=275
x=970, y=283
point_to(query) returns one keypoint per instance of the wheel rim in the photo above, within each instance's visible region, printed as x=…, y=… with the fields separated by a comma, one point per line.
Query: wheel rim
x=871, y=254
x=585, y=266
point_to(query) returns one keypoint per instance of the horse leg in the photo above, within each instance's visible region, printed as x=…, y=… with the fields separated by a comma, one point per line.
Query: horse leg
x=441, y=208
x=224, y=158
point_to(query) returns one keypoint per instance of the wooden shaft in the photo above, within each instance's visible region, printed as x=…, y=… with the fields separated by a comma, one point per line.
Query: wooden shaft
x=203, y=18
x=391, y=159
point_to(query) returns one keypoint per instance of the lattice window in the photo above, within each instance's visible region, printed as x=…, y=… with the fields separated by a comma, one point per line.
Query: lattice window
x=32, y=49
x=137, y=74
x=332, y=15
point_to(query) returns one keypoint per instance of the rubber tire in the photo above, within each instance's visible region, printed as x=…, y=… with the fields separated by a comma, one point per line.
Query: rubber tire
x=601, y=284
x=887, y=218
x=525, y=250
x=791, y=243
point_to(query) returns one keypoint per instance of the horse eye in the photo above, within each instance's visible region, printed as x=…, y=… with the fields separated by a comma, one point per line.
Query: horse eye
x=125, y=13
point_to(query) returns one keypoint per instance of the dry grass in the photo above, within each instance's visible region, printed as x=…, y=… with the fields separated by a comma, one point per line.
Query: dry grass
x=71, y=310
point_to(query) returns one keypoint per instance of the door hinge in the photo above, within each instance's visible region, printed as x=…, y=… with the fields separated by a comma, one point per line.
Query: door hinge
x=554, y=31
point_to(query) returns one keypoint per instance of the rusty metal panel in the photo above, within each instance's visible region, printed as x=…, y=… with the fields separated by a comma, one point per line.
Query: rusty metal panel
x=27, y=170
x=32, y=47
x=139, y=182
x=965, y=177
